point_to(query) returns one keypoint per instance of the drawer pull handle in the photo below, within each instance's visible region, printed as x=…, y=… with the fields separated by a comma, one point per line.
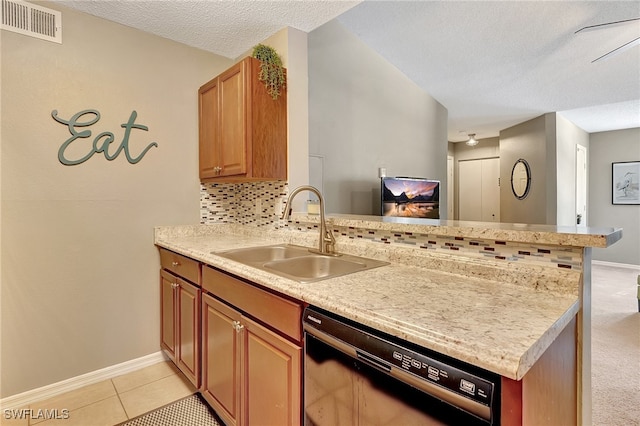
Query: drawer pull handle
x=174, y=263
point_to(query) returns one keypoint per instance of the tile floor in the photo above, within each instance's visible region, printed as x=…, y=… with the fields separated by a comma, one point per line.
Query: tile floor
x=112, y=401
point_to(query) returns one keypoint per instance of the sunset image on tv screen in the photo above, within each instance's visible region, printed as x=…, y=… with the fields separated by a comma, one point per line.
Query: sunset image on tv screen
x=404, y=197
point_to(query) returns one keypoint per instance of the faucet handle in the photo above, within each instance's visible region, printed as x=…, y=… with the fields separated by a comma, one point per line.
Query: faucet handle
x=329, y=242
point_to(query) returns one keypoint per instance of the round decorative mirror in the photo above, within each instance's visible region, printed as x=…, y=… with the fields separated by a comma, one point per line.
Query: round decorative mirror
x=521, y=179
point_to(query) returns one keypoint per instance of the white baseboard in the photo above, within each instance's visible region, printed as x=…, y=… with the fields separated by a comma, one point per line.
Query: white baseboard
x=23, y=399
x=616, y=265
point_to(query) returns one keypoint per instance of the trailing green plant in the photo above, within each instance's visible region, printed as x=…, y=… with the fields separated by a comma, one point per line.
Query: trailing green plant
x=271, y=70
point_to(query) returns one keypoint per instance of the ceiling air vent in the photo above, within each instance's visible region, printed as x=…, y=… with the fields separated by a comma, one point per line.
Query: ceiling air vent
x=32, y=20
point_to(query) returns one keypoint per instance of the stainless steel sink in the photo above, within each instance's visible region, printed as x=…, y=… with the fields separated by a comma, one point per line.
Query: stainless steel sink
x=299, y=263
x=262, y=254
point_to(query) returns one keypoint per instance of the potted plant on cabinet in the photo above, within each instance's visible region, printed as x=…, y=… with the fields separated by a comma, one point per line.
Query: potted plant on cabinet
x=271, y=69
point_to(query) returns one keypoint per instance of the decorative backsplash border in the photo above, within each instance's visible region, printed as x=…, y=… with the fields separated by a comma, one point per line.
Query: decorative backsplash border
x=547, y=256
x=260, y=204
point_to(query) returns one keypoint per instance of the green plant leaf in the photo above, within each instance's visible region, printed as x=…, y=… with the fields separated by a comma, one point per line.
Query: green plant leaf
x=271, y=70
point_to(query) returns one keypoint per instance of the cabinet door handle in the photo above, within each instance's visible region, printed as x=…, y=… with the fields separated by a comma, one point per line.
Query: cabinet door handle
x=174, y=263
x=237, y=326
x=175, y=285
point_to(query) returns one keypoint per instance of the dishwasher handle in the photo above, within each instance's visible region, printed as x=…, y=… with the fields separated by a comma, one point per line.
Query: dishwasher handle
x=348, y=349
x=374, y=362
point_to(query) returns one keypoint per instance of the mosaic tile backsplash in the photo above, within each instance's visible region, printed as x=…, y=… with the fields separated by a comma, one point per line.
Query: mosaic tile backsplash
x=260, y=204
x=252, y=203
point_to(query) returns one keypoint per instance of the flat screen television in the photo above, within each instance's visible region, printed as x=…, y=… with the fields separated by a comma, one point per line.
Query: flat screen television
x=410, y=197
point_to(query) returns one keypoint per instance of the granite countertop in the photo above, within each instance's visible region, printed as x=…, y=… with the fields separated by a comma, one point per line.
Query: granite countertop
x=493, y=324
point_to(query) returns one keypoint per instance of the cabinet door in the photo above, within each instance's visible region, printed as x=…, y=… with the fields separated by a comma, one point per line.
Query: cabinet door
x=233, y=121
x=168, y=314
x=272, y=377
x=189, y=331
x=209, y=134
x=221, y=359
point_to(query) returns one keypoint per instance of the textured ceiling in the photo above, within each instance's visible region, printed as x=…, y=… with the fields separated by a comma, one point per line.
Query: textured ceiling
x=491, y=64
x=227, y=28
x=496, y=64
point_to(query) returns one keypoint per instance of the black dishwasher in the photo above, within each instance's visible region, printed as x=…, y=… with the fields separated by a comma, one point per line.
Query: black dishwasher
x=355, y=375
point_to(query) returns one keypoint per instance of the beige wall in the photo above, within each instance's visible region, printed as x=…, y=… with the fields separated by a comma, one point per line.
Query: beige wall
x=568, y=136
x=365, y=114
x=291, y=45
x=528, y=140
x=548, y=143
x=79, y=269
x=606, y=148
x=298, y=111
x=532, y=140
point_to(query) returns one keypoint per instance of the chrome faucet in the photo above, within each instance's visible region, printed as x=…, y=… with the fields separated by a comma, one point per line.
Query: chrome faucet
x=327, y=242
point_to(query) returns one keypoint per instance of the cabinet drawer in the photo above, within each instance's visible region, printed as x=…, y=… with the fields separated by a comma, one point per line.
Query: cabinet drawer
x=183, y=266
x=279, y=313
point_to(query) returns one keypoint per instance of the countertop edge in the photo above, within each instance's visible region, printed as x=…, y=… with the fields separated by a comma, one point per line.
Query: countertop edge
x=534, y=353
x=573, y=236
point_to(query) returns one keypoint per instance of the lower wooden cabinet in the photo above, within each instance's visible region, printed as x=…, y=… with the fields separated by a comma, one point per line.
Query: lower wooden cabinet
x=168, y=308
x=548, y=393
x=238, y=343
x=180, y=324
x=273, y=377
x=250, y=374
x=221, y=359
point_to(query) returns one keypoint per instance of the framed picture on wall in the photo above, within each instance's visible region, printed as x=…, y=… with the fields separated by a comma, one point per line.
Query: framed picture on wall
x=626, y=182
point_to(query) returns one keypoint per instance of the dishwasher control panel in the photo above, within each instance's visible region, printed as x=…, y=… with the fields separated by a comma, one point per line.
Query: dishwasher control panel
x=427, y=368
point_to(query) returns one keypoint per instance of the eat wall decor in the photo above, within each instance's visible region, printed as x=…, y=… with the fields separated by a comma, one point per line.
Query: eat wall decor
x=102, y=142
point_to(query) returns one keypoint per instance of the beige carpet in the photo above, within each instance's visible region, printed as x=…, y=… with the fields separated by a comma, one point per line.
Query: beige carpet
x=615, y=346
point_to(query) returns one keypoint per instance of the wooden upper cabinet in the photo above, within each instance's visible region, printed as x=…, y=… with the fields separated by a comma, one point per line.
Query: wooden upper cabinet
x=233, y=146
x=243, y=130
x=209, y=138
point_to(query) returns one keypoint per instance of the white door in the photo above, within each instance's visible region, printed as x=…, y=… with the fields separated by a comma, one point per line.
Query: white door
x=450, y=187
x=491, y=190
x=470, y=190
x=581, y=185
x=479, y=190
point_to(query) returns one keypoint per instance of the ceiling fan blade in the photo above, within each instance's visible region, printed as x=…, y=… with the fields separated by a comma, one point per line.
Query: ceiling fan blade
x=598, y=26
x=620, y=49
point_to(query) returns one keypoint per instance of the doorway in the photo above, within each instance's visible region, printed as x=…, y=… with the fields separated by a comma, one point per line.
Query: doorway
x=581, y=185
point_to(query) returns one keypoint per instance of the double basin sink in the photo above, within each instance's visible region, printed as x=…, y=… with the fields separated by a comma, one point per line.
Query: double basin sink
x=299, y=263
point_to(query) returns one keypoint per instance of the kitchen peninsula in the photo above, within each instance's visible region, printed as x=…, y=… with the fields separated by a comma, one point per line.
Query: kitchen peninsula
x=508, y=298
